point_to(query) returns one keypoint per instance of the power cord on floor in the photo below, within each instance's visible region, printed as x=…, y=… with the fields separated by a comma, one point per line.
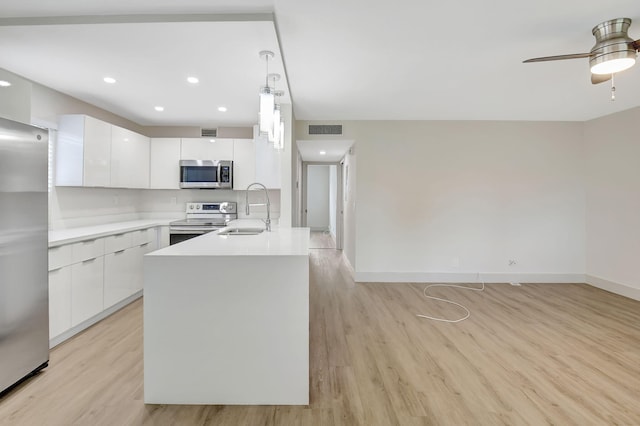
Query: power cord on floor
x=449, y=301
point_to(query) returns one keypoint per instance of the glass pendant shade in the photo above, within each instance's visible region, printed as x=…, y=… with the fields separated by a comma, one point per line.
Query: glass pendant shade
x=280, y=140
x=267, y=105
x=276, y=125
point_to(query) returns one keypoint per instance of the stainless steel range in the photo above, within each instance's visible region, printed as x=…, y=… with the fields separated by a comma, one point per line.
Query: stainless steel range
x=202, y=218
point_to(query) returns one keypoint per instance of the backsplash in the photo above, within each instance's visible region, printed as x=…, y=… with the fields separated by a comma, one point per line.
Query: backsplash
x=71, y=207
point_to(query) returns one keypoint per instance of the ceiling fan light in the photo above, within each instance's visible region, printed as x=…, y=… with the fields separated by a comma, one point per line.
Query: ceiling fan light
x=267, y=105
x=613, y=66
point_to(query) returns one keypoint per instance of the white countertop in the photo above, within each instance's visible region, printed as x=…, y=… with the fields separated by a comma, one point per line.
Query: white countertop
x=278, y=242
x=65, y=236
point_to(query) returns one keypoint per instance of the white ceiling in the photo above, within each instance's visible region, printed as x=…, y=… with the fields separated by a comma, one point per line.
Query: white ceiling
x=334, y=150
x=151, y=62
x=408, y=59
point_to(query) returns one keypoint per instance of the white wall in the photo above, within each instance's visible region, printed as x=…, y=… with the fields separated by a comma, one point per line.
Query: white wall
x=333, y=193
x=349, y=185
x=318, y=197
x=287, y=174
x=441, y=201
x=613, y=202
x=15, y=100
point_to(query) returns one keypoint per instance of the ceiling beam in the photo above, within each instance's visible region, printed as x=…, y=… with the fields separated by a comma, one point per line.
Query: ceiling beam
x=135, y=19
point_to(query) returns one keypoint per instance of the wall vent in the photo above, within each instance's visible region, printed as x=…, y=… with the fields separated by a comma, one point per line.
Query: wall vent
x=209, y=133
x=325, y=129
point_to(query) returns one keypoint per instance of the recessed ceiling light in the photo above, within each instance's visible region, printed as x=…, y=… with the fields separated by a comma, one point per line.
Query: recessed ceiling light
x=212, y=140
x=323, y=152
x=4, y=83
x=109, y=80
x=159, y=108
x=193, y=80
x=222, y=109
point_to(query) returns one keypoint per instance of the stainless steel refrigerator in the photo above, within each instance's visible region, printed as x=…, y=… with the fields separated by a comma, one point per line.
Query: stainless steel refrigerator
x=24, y=290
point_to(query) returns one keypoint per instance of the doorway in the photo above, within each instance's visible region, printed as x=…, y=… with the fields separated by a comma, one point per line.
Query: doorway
x=322, y=204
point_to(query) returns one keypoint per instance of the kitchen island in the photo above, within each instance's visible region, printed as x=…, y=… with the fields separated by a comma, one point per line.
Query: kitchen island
x=226, y=320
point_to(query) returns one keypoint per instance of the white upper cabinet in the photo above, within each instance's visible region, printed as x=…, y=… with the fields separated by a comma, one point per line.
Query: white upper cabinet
x=268, y=163
x=244, y=163
x=204, y=149
x=255, y=160
x=129, y=159
x=164, y=165
x=83, y=151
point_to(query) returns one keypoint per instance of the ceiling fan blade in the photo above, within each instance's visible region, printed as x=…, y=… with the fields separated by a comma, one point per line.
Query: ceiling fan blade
x=636, y=44
x=600, y=78
x=558, y=57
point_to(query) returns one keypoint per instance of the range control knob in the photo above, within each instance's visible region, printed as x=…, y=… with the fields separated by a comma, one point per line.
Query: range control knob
x=191, y=206
x=198, y=207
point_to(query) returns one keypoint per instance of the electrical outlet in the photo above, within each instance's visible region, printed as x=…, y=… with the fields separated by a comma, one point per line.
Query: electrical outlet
x=512, y=262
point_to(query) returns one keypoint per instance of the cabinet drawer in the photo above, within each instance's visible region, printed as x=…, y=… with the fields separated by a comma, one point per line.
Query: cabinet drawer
x=117, y=242
x=142, y=236
x=59, y=256
x=59, y=301
x=88, y=249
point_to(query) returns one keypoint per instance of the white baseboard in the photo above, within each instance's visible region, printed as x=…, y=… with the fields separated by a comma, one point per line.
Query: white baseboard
x=613, y=287
x=466, y=277
x=88, y=323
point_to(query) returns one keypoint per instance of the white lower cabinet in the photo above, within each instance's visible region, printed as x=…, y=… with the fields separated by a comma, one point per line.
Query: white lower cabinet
x=119, y=275
x=86, y=289
x=88, y=277
x=59, y=301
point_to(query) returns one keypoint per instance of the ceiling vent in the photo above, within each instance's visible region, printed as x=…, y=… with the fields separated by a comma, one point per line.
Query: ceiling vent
x=325, y=129
x=209, y=133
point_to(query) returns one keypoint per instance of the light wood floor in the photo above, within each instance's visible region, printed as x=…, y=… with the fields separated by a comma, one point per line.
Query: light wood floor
x=321, y=240
x=536, y=354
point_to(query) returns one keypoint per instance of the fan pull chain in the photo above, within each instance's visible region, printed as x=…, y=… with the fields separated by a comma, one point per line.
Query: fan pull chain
x=613, y=89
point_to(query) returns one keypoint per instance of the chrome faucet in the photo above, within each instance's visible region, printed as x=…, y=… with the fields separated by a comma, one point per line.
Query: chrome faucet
x=266, y=193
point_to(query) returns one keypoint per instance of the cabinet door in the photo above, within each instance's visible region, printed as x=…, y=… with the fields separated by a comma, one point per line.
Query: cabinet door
x=268, y=163
x=164, y=163
x=59, y=301
x=119, y=273
x=129, y=159
x=143, y=249
x=139, y=162
x=244, y=163
x=204, y=149
x=86, y=289
x=83, y=151
x=121, y=152
x=97, y=152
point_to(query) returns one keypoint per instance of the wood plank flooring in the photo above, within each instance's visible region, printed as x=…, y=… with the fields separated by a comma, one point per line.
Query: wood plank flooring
x=321, y=240
x=537, y=354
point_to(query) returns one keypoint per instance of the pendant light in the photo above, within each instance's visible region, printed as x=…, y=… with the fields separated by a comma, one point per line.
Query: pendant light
x=267, y=97
x=279, y=144
x=274, y=131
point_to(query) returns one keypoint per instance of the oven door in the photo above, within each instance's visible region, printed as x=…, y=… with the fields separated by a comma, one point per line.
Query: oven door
x=183, y=234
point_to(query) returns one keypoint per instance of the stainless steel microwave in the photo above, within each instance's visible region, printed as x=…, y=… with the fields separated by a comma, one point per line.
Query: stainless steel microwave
x=206, y=174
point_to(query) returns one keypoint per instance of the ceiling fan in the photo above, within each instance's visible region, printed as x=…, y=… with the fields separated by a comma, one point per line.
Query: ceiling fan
x=613, y=52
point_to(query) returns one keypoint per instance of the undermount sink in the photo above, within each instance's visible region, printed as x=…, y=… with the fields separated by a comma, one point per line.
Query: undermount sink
x=241, y=231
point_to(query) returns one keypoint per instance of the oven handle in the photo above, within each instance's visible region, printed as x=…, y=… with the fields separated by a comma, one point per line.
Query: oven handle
x=191, y=231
